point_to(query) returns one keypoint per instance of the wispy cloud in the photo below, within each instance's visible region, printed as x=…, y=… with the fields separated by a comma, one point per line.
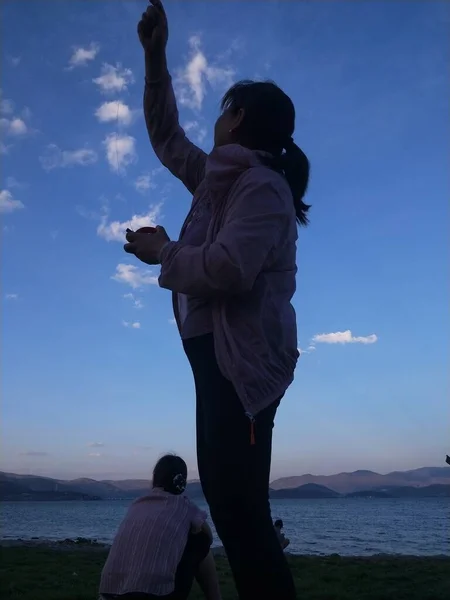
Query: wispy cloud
x=143, y=183
x=144, y=448
x=115, y=230
x=12, y=296
x=14, y=61
x=146, y=181
x=114, y=111
x=137, y=302
x=82, y=56
x=33, y=453
x=134, y=276
x=344, y=337
x=11, y=182
x=114, y=78
x=94, y=454
x=309, y=350
x=54, y=157
x=191, y=80
x=8, y=203
x=135, y=325
x=6, y=106
x=195, y=130
x=96, y=444
x=120, y=151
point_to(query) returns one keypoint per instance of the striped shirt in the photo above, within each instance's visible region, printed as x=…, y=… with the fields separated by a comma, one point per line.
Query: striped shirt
x=149, y=545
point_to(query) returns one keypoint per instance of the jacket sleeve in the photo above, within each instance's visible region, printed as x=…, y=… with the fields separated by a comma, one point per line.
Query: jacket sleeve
x=183, y=158
x=254, y=225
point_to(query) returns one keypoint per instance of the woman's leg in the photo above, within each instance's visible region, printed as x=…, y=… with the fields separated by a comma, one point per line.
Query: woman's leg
x=235, y=479
x=206, y=577
x=197, y=562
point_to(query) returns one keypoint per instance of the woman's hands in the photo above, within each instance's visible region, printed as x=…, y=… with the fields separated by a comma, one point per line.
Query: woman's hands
x=146, y=243
x=153, y=30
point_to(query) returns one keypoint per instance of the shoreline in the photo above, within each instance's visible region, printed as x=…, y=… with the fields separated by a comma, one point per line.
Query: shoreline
x=93, y=545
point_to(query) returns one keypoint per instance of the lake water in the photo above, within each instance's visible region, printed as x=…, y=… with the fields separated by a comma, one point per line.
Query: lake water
x=356, y=526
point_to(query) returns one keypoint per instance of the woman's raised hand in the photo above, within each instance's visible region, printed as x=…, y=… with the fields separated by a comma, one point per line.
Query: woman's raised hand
x=153, y=30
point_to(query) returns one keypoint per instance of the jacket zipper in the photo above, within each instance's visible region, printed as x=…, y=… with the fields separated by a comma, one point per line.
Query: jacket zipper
x=252, y=428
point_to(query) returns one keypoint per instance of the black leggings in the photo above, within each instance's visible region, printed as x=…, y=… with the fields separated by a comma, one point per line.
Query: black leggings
x=235, y=479
x=196, y=550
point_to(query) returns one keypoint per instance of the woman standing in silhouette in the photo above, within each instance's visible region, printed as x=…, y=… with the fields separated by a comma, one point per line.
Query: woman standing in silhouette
x=232, y=274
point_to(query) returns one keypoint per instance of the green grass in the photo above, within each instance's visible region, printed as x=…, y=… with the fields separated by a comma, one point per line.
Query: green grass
x=43, y=574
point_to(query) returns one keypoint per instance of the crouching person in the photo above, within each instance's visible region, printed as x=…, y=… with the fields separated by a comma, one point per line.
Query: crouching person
x=162, y=545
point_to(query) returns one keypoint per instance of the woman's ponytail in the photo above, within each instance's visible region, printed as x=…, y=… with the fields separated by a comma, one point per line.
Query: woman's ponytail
x=267, y=126
x=295, y=166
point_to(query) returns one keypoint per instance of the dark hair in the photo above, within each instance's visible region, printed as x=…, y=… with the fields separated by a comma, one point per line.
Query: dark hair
x=268, y=125
x=279, y=523
x=170, y=474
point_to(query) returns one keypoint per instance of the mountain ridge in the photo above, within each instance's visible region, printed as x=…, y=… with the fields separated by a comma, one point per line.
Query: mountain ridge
x=336, y=485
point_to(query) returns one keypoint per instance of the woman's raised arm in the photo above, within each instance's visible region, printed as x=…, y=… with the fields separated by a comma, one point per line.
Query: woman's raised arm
x=176, y=152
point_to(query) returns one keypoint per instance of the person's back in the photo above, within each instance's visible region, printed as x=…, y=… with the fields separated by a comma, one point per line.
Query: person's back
x=162, y=543
x=149, y=545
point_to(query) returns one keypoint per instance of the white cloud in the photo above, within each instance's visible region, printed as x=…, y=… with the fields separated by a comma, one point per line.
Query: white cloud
x=308, y=350
x=11, y=182
x=190, y=81
x=54, y=157
x=344, y=337
x=81, y=56
x=144, y=183
x=135, y=325
x=6, y=106
x=15, y=60
x=114, y=111
x=113, y=79
x=94, y=454
x=8, y=204
x=12, y=296
x=14, y=126
x=9, y=124
x=137, y=302
x=120, y=151
x=17, y=127
x=114, y=231
x=96, y=444
x=134, y=276
x=193, y=128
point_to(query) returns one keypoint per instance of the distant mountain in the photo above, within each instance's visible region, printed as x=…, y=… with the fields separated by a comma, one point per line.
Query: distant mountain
x=433, y=480
x=428, y=491
x=309, y=490
x=346, y=483
x=13, y=491
x=127, y=490
x=368, y=494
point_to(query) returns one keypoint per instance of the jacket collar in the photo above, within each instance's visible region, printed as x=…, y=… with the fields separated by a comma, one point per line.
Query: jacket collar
x=226, y=163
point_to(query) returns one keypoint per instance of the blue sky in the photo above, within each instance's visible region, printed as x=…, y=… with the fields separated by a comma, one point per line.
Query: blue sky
x=94, y=381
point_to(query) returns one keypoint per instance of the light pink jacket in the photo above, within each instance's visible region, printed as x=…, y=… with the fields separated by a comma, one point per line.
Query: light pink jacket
x=247, y=265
